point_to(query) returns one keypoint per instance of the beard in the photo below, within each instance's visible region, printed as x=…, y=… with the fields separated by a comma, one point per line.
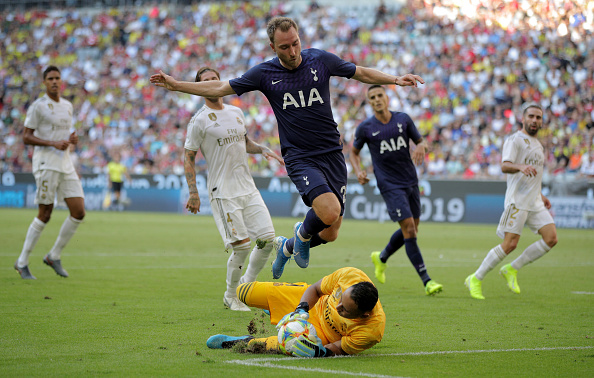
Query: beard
x=532, y=131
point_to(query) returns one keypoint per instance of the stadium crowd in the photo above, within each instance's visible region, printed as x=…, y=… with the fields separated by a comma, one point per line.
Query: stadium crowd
x=480, y=61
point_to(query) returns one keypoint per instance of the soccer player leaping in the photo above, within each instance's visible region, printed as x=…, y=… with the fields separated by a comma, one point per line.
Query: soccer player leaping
x=297, y=85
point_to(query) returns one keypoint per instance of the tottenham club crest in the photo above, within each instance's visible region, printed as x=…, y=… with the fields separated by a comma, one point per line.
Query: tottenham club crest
x=314, y=72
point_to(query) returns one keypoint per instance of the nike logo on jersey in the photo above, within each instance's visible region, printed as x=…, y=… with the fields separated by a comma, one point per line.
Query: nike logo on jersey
x=276, y=81
x=375, y=133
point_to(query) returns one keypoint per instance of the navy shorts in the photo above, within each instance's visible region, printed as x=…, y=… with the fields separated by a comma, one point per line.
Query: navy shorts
x=319, y=174
x=403, y=203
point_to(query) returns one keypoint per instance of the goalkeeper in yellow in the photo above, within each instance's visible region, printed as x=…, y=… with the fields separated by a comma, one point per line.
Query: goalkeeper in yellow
x=343, y=307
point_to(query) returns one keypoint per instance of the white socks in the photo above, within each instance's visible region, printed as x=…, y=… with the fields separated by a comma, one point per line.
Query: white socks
x=68, y=229
x=234, y=266
x=258, y=259
x=33, y=234
x=494, y=257
x=533, y=252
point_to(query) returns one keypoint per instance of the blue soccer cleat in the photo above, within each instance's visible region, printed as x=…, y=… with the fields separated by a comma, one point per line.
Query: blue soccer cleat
x=300, y=248
x=279, y=263
x=226, y=342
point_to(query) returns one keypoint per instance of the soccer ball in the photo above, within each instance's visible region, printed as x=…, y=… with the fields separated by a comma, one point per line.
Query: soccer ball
x=288, y=333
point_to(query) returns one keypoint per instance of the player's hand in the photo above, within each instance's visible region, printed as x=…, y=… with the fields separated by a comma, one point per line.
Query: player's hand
x=362, y=178
x=163, y=80
x=409, y=80
x=193, y=204
x=418, y=155
x=308, y=346
x=529, y=170
x=269, y=154
x=61, y=144
x=546, y=201
x=73, y=138
x=297, y=314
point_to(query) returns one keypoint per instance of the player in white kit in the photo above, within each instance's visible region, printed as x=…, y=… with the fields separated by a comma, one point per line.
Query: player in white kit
x=218, y=130
x=525, y=205
x=49, y=127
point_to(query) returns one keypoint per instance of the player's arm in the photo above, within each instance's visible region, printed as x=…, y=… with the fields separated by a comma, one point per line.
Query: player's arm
x=355, y=159
x=372, y=76
x=526, y=169
x=310, y=297
x=213, y=88
x=193, y=204
x=29, y=138
x=254, y=148
x=418, y=155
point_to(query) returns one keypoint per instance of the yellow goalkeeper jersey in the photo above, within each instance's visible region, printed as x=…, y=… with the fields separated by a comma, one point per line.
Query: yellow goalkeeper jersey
x=356, y=335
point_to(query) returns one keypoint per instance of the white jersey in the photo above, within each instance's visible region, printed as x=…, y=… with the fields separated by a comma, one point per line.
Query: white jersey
x=524, y=191
x=220, y=135
x=53, y=121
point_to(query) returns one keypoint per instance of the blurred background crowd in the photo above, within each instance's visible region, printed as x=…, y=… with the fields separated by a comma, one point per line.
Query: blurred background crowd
x=480, y=59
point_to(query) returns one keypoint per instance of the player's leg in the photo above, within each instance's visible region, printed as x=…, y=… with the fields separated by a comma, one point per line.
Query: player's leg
x=322, y=185
x=393, y=200
x=280, y=298
x=328, y=200
x=493, y=258
x=539, y=248
x=228, y=216
x=69, y=227
x=227, y=342
x=509, y=229
x=323, y=219
x=259, y=225
x=380, y=258
x=239, y=253
x=298, y=246
x=46, y=182
x=117, y=191
x=541, y=222
x=70, y=190
x=33, y=234
x=408, y=227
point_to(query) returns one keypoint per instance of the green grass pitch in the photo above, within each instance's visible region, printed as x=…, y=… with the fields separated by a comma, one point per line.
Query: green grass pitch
x=145, y=292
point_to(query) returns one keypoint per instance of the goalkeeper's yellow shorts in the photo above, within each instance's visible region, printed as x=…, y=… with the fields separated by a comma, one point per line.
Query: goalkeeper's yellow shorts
x=280, y=298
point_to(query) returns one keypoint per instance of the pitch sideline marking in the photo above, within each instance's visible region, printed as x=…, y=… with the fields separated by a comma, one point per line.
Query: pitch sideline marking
x=583, y=292
x=266, y=362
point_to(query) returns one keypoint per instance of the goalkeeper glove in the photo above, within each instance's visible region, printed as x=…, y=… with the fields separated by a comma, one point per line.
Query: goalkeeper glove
x=301, y=312
x=309, y=347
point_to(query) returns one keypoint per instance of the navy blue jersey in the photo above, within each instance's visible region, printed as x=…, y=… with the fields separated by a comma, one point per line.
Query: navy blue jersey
x=389, y=146
x=300, y=99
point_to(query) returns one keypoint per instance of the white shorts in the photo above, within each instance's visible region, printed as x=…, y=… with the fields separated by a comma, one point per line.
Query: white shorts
x=242, y=217
x=513, y=220
x=51, y=183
